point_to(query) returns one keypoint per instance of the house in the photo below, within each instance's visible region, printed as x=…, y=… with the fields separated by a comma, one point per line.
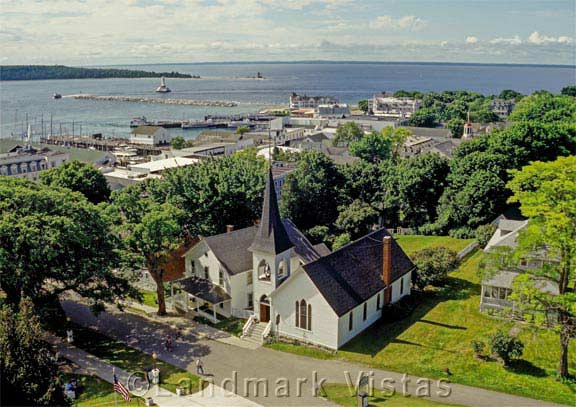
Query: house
x=150, y=136
x=28, y=161
x=310, y=102
x=386, y=105
x=496, y=288
x=502, y=108
x=272, y=276
x=415, y=145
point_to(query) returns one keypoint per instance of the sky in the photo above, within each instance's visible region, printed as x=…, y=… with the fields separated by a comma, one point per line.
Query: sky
x=100, y=32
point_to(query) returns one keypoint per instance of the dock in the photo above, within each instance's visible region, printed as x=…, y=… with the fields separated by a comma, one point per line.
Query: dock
x=99, y=144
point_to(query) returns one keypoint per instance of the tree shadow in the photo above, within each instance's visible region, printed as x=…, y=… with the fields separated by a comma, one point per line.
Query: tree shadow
x=443, y=325
x=525, y=367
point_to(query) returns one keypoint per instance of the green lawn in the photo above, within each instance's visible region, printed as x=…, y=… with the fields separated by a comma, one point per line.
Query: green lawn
x=130, y=359
x=95, y=392
x=149, y=298
x=231, y=325
x=413, y=243
x=340, y=394
x=438, y=335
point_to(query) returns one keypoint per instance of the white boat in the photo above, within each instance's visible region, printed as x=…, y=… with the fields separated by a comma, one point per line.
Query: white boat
x=163, y=88
x=138, y=121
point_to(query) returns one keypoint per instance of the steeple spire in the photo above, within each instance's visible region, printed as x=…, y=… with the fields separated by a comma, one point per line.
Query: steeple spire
x=271, y=236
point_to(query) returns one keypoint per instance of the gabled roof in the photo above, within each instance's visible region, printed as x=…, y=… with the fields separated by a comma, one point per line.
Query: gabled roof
x=351, y=275
x=231, y=249
x=302, y=246
x=271, y=236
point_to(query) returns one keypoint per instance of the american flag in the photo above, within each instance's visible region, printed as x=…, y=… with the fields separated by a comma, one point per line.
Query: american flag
x=119, y=388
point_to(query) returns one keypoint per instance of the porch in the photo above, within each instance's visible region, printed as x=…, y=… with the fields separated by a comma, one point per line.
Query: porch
x=202, y=298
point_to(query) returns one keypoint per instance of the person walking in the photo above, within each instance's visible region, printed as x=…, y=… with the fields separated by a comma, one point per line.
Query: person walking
x=199, y=367
x=169, y=345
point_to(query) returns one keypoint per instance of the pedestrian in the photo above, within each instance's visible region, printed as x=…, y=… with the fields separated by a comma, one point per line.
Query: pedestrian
x=447, y=371
x=168, y=343
x=199, y=367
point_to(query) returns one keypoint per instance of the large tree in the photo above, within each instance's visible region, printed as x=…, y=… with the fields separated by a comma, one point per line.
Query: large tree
x=348, y=133
x=53, y=241
x=311, y=193
x=372, y=147
x=545, y=107
x=79, y=177
x=421, y=182
x=356, y=219
x=28, y=369
x=151, y=230
x=546, y=193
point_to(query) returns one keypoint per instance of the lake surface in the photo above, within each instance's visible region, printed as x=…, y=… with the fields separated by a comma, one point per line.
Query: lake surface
x=349, y=82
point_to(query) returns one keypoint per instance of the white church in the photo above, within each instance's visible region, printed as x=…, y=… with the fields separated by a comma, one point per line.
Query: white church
x=272, y=276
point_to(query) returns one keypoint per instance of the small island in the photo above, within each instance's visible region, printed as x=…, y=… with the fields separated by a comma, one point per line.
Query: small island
x=39, y=72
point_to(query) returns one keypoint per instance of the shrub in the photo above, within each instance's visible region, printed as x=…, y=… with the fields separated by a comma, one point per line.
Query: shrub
x=506, y=347
x=484, y=233
x=464, y=232
x=478, y=347
x=341, y=240
x=433, y=265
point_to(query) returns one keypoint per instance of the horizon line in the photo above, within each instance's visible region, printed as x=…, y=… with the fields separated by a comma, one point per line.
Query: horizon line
x=313, y=61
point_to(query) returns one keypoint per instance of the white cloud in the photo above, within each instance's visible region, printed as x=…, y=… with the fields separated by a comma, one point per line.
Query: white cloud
x=471, y=40
x=409, y=23
x=539, y=39
x=512, y=41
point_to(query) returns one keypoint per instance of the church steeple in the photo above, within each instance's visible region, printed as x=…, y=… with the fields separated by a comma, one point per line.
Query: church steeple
x=271, y=236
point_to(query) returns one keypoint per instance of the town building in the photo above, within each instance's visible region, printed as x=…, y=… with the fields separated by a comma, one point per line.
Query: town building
x=502, y=108
x=310, y=102
x=333, y=110
x=415, y=145
x=272, y=276
x=150, y=136
x=27, y=161
x=388, y=106
x=497, y=288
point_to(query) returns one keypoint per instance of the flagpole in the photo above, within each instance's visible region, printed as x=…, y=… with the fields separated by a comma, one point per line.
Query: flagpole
x=115, y=395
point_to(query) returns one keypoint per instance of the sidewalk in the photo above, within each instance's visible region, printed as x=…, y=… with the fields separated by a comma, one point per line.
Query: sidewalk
x=213, y=396
x=186, y=324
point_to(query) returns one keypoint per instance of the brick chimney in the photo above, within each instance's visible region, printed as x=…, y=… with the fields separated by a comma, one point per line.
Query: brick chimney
x=387, y=267
x=229, y=228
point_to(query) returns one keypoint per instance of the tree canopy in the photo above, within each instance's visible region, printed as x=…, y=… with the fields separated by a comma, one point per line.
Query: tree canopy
x=53, y=241
x=79, y=177
x=348, y=133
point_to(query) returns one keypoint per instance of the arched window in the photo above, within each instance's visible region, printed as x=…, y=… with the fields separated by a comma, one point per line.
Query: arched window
x=297, y=319
x=263, y=271
x=303, y=314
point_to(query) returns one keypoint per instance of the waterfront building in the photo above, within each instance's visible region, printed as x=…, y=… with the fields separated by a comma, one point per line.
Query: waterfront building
x=28, y=161
x=272, y=276
x=150, y=136
x=310, y=102
x=386, y=105
x=332, y=110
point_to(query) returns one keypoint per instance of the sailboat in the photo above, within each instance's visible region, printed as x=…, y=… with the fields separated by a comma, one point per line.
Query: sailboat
x=163, y=88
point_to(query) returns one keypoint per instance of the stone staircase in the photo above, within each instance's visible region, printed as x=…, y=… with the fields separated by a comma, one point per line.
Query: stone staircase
x=255, y=334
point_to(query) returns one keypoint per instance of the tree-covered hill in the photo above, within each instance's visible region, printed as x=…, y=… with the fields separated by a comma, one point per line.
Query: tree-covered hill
x=36, y=72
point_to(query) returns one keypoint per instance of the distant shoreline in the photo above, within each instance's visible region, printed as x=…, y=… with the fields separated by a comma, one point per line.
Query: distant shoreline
x=55, y=72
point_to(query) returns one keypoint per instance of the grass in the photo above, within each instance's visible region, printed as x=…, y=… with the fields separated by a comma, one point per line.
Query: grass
x=231, y=325
x=340, y=394
x=149, y=298
x=438, y=333
x=413, y=243
x=95, y=392
x=132, y=360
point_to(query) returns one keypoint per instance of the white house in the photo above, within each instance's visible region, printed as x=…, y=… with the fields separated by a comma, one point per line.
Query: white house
x=271, y=275
x=385, y=105
x=150, y=135
x=28, y=161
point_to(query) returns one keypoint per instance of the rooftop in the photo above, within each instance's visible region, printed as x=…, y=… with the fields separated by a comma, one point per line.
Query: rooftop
x=147, y=130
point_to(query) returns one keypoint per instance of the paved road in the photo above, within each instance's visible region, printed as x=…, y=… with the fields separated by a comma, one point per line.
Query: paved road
x=281, y=371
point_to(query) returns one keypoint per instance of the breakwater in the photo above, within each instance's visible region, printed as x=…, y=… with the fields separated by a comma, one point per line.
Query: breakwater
x=218, y=103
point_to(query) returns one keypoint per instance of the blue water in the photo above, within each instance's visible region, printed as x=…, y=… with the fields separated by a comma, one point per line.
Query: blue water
x=229, y=82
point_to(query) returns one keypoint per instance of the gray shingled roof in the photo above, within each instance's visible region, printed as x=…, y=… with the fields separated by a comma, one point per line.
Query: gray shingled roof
x=231, y=249
x=271, y=236
x=302, y=247
x=351, y=275
x=202, y=288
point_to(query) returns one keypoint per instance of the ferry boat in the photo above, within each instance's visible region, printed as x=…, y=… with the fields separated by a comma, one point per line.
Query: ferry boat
x=138, y=121
x=163, y=88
